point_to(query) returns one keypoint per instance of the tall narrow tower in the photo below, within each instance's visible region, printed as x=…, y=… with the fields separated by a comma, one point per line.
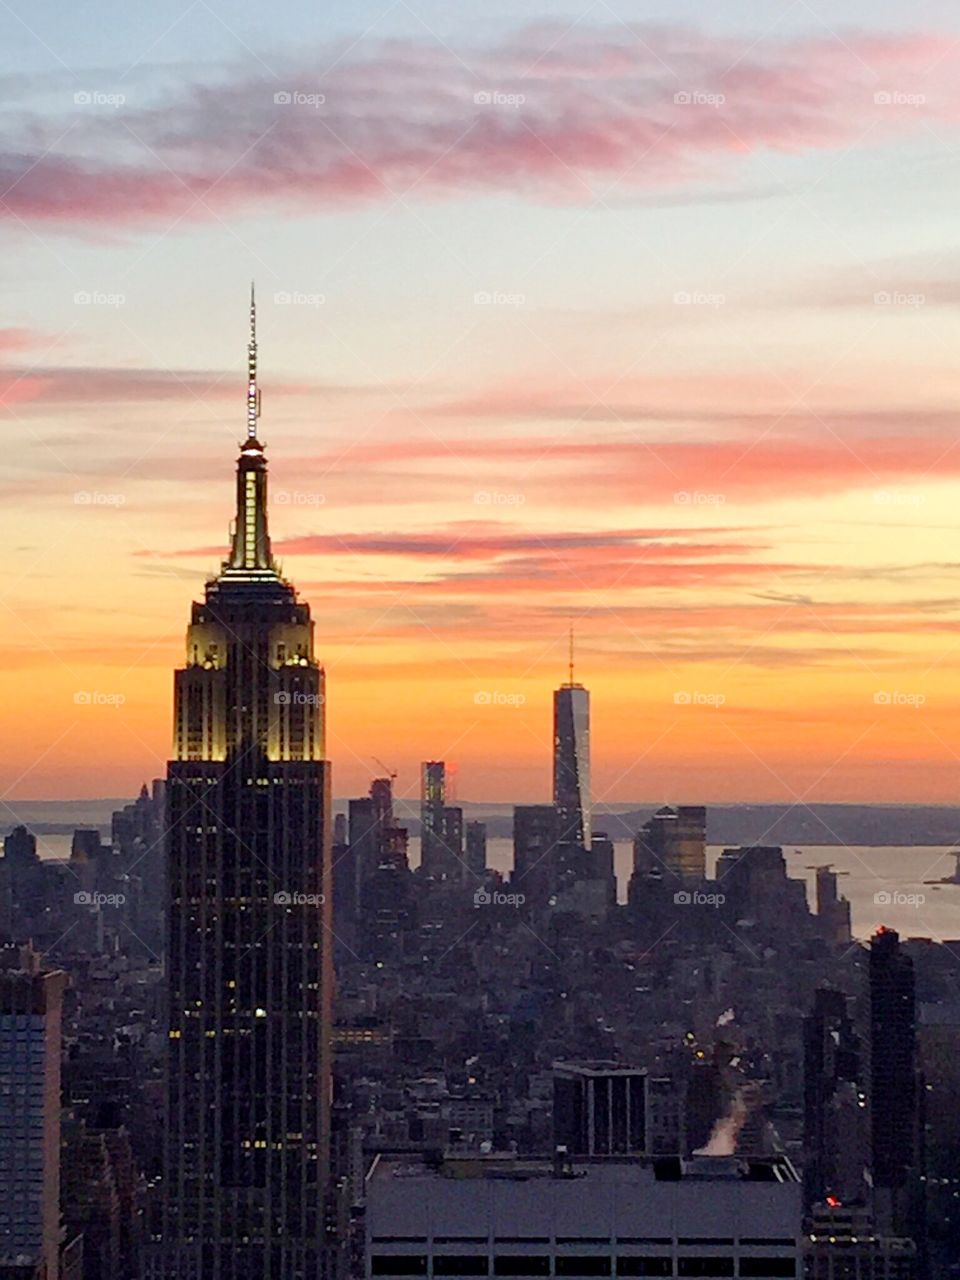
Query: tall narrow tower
x=249, y=900
x=571, y=760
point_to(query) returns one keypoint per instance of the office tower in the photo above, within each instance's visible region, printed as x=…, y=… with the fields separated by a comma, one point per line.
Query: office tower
x=599, y=1109
x=452, y=827
x=477, y=847
x=536, y=830
x=363, y=828
x=138, y=835
x=835, y=1133
x=833, y=911
x=938, y=1036
x=30, y=1034
x=893, y=1079
x=672, y=845
x=249, y=953
x=433, y=797
x=340, y=828
x=842, y=1244
x=509, y=1215
x=571, y=760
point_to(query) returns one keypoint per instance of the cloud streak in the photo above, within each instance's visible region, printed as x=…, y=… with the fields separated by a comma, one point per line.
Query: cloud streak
x=547, y=115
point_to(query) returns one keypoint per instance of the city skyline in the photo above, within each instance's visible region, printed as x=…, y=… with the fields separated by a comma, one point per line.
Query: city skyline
x=735, y=471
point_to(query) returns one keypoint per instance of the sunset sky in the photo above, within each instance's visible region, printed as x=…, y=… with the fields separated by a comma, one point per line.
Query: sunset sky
x=640, y=316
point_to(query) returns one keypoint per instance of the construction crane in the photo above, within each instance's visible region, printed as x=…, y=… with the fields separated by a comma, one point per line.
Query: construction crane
x=391, y=773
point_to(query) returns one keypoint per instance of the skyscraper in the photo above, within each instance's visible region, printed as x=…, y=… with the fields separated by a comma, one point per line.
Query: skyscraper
x=834, y=1121
x=893, y=1078
x=249, y=898
x=571, y=760
x=30, y=1034
x=434, y=861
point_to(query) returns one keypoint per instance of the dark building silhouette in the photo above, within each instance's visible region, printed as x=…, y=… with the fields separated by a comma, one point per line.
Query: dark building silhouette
x=670, y=846
x=476, y=851
x=833, y=910
x=30, y=1045
x=536, y=835
x=893, y=1080
x=571, y=761
x=433, y=796
x=249, y=953
x=835, y=1138
x=599, y=1109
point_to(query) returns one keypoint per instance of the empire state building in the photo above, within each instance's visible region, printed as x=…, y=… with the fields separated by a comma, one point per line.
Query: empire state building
x=249, y=893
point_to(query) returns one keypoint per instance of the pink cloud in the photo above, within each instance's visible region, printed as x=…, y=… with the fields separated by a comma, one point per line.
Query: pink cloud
x=598, y=110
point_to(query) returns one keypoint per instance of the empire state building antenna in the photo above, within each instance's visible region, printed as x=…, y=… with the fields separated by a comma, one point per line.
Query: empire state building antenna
x=253, y=393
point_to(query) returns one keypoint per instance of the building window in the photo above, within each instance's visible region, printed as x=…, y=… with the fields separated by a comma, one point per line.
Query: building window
x=597, y=1265
x=764, y=1268
x=704, y=1266
x=398, y=1265
x=521, y=1265
x=645, y=1266
x=470, y=1264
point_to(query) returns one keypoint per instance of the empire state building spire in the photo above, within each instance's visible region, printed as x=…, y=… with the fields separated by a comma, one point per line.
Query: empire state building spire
x=253, y=392
x=250, y=553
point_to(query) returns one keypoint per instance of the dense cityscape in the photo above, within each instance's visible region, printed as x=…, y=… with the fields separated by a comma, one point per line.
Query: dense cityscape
x=246, y=1035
